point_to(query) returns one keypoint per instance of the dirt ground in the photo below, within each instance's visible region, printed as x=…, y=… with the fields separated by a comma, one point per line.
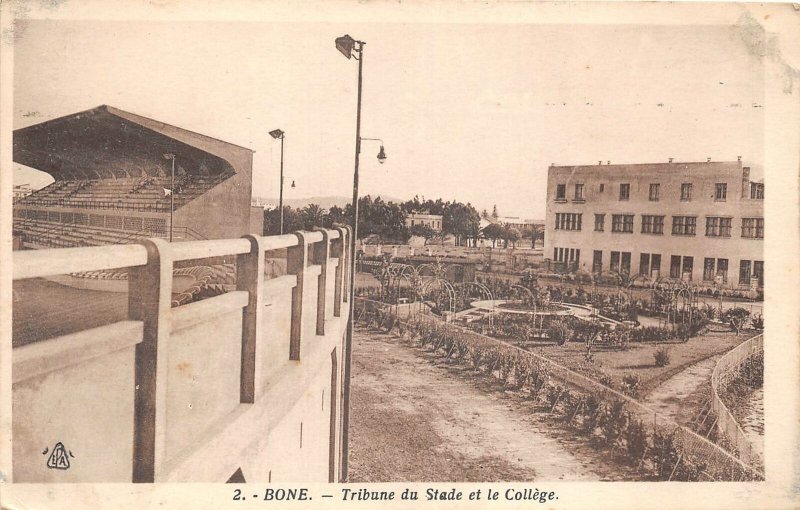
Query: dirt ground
x=416, y=418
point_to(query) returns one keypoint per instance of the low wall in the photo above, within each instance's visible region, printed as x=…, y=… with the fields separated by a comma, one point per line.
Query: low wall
x=250, y=381
x=726, y=370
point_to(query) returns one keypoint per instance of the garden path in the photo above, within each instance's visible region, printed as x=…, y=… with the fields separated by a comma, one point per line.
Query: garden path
x=668, y=398
x=416, y=420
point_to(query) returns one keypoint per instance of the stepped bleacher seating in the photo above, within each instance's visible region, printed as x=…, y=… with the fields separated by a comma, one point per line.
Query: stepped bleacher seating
x=60, y=235
x=133, y=193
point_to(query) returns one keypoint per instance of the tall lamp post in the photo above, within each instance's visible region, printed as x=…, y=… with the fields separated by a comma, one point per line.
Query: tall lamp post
x=351, y=48
x=171, y=156
x=280, y=135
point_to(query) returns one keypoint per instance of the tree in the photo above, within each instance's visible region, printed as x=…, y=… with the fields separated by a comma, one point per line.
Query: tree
x=494, y=232
x=461, y=220
x=736, y=318
x=335, y=215
x=510, y=234
x=292, y=220
x=422, y=230
x=312, y=216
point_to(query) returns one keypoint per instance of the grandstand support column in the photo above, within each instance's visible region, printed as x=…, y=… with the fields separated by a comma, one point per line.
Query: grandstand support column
x=150, y=301
x=296, y=262
x=250, y=278
x=321, y=256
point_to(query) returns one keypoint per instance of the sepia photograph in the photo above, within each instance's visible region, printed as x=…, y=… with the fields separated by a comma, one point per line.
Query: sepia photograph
x=393, y=251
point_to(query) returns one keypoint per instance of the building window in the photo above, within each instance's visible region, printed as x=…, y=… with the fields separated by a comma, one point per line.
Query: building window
x=684, y=225
x=655, y=264
x=579, y=192
x=681, y=267
x=650, y=264
x=615, y=261
x=721, y=191
x=688, y=267
x=758, y=272
x=561, y=192
x=599, y=222
x=625, y=263
x=644, y=264
x=753, y=228
x=708, y=269
x=744, y=272
x=568, y=221
x=757, y=190
x=686, y=191
x=602, y=188
x=722, y=270
x=675, y=266
x=652, y=224
x=597, y=261
x=654, y=189
x=624, y=191
x=718, y=226
x=622, y=223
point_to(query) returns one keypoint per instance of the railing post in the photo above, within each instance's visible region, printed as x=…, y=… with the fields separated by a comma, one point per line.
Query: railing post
x=150, y=301
x=339, y=250
x=321, y=257
x=296, y=260
x=250, y=277
x=349, y=252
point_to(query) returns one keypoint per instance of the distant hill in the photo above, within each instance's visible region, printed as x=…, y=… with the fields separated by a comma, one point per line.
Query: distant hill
x=324, y=202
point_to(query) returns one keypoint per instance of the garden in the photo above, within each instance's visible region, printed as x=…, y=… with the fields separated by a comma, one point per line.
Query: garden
x=655, y=446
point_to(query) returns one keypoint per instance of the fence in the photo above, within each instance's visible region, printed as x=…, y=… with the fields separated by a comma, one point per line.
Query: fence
x=725, y=371
x=712, y=461
x=226, y=386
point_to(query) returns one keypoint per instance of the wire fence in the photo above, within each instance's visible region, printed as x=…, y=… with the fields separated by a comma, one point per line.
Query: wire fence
x=710, y=461
x=728, y=369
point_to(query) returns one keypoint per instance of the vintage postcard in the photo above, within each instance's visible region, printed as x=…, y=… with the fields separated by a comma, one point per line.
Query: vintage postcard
x=397, y=254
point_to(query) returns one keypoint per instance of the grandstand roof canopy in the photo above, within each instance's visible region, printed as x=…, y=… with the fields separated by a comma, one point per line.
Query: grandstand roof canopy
x=105, y=143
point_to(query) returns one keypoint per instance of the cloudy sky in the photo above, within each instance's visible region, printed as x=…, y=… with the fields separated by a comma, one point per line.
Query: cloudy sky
x=474, y=112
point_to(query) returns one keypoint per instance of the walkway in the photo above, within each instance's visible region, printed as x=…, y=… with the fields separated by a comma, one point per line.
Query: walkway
x=415, y=419
x=669, y=397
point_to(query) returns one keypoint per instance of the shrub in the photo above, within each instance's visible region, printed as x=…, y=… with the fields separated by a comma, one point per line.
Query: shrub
x=607, y=380
x=559, y=332
x=736, y=318
x=630, y=385
x=636, y=441
x=757, y=321
x=614, y=421
x=662, y=356
x=664, y=454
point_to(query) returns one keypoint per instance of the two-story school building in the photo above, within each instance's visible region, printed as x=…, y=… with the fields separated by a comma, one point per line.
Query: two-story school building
x=699, y=222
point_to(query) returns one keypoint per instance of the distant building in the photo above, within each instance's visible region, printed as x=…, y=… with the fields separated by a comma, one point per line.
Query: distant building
x=517, y=222
x=432, y=220
x=699, y=222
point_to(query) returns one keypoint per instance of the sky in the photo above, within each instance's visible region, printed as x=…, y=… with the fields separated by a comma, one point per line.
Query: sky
x=473, y=112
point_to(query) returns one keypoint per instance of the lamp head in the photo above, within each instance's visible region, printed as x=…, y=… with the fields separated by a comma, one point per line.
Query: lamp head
x=276, y=134
x=345, y=45
x=381, y=155
x=169, y=155
x=293, y=186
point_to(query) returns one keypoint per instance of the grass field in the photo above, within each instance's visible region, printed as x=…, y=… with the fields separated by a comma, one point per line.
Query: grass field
x=639, y=358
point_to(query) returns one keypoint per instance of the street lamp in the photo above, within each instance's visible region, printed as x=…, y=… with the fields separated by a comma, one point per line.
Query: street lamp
x=352, y=48
x=280, y=135
x=171, y=156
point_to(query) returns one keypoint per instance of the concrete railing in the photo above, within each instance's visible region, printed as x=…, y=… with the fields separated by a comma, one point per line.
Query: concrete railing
x=725, y=371
x=229, y=384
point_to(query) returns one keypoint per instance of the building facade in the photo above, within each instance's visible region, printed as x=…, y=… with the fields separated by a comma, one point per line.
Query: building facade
x=698, y=222
x=432, y=220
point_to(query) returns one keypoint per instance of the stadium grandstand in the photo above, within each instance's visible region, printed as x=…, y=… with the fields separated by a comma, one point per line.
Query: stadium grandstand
x=114, y=183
